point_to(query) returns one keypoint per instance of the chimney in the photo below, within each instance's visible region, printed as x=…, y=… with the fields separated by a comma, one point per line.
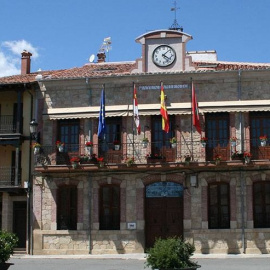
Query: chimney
x=101, y=57
x=25, y=62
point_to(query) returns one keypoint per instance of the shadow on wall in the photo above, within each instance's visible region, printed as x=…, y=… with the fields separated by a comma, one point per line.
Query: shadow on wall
x=229, y=243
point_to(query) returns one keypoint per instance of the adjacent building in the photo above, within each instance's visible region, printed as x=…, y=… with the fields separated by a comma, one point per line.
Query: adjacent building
x=117, y=193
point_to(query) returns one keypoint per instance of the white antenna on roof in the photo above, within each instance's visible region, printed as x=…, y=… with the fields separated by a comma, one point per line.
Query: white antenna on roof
x=106, y=46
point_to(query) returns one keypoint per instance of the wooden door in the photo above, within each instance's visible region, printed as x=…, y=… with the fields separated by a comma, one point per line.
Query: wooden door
x=163, y=215
x=19, y=222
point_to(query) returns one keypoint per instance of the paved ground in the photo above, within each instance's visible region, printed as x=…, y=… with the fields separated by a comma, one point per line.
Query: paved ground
x=133, y=262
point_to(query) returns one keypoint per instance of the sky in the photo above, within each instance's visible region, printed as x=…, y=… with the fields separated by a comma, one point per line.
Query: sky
x=63, y=34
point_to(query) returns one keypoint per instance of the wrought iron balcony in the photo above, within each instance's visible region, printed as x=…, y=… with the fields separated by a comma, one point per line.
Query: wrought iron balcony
x=154, y=152
x=7, y=124
x=8, y=177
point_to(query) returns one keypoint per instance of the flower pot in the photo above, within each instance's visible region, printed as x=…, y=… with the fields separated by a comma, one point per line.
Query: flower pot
x=247, y=160
x=263, y=143
x=187, y=162
x=36, y=150
x=61, y=148
x=144, y=144
x=173, y=145
x=117, y=147
x=217, y=162
x=203, y=144
x=101, y=164
x=233, y=143
x=89, y=149
x=75, y=165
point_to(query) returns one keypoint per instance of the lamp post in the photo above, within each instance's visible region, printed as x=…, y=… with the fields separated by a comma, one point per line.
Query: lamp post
x=33, y=129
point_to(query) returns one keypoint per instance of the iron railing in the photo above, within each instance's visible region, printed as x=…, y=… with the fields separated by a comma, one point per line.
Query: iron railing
x=7, y=176
x=7, y=124
x=152, y=152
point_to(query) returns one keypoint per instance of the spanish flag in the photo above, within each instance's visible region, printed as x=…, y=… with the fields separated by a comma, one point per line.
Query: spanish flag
x=163, y=110
x=195, y=111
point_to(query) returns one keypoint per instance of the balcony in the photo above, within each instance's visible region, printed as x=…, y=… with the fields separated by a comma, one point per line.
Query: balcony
x=7, y=177
x=7, y=124
x=155, y=153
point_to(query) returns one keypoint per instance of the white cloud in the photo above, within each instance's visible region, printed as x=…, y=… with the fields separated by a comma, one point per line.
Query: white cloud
x=10, y=56
x=18, y=46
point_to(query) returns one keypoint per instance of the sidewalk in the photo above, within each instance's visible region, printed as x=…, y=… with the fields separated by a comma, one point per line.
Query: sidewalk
x=136, y=256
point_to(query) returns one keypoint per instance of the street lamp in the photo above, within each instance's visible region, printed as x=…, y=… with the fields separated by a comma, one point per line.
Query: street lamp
x=33, y=129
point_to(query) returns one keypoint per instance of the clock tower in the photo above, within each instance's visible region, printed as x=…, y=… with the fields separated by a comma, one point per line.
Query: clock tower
x=164, y=50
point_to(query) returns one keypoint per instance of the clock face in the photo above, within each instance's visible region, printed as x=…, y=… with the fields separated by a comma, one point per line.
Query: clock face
x=164, y=55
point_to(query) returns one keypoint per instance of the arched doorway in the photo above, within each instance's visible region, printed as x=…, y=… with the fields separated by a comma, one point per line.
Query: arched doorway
x=163, y=211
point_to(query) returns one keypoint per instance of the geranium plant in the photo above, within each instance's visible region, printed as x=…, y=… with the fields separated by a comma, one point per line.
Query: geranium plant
x=217, y=157
x=233, y=139
x=59, y=143
x=75, y=160
x=173, y=140
x=145, y=139
x=204, y=139
x=89, y=144
x=35, y=145
x=116, y=142
x=187, y=157
x=247, y=154
x=263, y=138
x=100, y=159
x=129, y=160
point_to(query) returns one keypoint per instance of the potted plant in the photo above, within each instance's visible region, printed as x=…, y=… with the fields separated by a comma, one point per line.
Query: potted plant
x=204, y=141
x=171, y=253
x=89, y=144
x=247, y=157
x=100, y=160
x=145, y=142
x=36, y=147
x=60, y=146
x=187, y=159
x=8, y=241
x=116, y=145
x=173, y=142
x=263, y=140
x=75, y=162
x=217, y=159
x=129, y=161
x=233, y=141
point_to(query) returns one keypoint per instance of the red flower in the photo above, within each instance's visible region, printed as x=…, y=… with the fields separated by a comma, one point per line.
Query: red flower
x=89, y=143
x=116, y=142
x=100, y=159
x=247, y=154
x=75, y=159
x=59, y=143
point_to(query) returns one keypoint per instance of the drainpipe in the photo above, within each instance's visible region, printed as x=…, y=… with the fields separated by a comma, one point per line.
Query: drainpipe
x=243, y=239
x=89, y=212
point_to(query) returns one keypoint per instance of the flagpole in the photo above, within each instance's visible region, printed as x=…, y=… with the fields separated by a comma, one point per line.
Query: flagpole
x=191, y=120
x=133, y=150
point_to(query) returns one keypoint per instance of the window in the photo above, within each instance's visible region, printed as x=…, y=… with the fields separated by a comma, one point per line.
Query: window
x=113, y=130
x=160, y=138
x=217, y=132
x=218, y=206
x=68, y=132
x=67, y=208
x=109, y=216
x=261, y=204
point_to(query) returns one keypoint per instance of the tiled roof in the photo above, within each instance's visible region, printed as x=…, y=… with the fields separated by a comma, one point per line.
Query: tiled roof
x=122, y=68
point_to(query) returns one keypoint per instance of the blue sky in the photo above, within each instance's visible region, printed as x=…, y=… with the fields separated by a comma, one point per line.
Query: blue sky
x=64, y=33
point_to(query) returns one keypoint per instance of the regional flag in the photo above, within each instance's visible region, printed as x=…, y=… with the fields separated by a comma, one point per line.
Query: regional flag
x=101, y=120
x=163, y=110
x=195, y=111
x=136, y=110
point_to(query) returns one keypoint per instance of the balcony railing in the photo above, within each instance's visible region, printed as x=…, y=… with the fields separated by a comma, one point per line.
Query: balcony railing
x=7, y=177
x=7, y=124
x=154, y=152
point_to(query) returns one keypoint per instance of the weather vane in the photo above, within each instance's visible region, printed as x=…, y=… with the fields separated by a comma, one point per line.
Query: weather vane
x=175, y=25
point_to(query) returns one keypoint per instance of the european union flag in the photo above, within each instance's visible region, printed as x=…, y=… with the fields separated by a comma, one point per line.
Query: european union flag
x=101, y=121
